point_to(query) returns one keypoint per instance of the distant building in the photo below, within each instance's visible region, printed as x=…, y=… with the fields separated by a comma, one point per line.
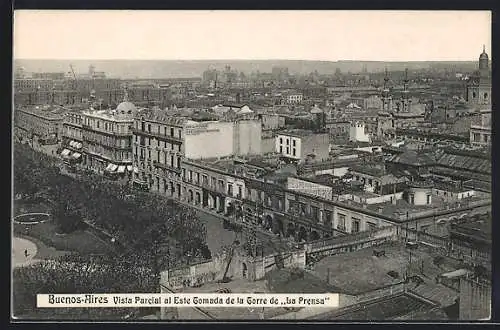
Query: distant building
x=357, y=132
x=480, y=133
x=479, y=84
x=302, y=145
x=294, y=98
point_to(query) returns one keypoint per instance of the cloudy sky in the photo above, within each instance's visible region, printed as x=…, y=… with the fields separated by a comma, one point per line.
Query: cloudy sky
x=299, y=35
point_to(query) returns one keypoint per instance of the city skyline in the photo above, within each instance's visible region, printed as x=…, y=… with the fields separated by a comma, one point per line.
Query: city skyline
x=365, y=35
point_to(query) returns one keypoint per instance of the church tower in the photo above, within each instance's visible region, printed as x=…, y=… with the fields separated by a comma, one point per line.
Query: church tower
x=386, y=96
x=483, y=61
x=405, y=97
x=479, y=84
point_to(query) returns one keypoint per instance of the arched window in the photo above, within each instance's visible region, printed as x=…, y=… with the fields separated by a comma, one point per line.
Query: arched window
x=485, y=96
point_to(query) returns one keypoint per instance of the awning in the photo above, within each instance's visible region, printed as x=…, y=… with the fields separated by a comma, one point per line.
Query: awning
x=455, y=273
x=78, y=145
x=65, y=152
x=108, y=168
x=113, y=167
x=130, y=168
x=76, y=155
x=121, y=169
x=72, y=144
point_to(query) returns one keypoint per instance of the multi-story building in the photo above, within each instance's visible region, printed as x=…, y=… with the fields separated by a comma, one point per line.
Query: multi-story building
x=294, y=98
x=72, y=138
x=480, y=132
x=161, y=142
x=338, y=129
x=107, y=140
x=388, y=122
x=39, y=125
x=302, y=145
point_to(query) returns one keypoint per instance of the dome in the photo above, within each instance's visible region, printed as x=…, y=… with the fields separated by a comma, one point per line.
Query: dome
x=126, y=107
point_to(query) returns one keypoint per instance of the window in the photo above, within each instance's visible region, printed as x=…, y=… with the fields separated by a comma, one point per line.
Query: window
x=172, y=131
x=97, y=124
x=281, y=149
x=428, y=199
x=294, y=152
x=287, y=150
x=327, y=217
x=149, y=154
x=303, y=210
x=172, y=161
x=412, y=199
x=281, y=140
x=287, y=142
x=371, y=225
x=355, y=225
x=315, y=213
x=341, y=222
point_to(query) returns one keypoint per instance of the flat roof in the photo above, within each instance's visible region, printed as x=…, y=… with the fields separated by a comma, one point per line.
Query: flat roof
x=360, y=271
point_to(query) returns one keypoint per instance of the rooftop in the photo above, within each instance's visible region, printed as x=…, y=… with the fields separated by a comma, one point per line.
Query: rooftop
x=298, y=132
x=479, y=227
x=413, y=158
x=49, y=112
x=387, y=308
x=360, y=271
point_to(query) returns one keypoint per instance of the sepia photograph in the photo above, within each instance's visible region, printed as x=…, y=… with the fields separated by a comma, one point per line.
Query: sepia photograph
x=257, y=166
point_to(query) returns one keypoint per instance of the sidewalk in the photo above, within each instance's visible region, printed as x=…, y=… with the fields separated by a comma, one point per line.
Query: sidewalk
x=257, y=229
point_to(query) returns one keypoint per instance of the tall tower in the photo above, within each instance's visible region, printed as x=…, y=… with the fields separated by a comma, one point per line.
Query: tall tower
x=483, y=60
x=386, y=97
x=405, y=97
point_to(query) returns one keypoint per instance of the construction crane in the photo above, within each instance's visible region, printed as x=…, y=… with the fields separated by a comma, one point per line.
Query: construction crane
x=75, y=81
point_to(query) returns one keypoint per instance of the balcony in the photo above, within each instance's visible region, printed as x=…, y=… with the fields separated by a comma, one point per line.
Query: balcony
x=163, y=137
x=167, y=167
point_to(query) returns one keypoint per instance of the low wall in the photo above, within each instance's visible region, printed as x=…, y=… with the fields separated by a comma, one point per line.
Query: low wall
x=351, y=242
x=241, y=266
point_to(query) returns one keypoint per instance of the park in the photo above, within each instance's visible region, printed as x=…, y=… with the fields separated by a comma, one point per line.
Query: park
x=82, y=234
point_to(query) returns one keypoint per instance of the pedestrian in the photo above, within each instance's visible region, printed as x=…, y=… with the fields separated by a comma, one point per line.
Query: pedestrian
x=26, y=253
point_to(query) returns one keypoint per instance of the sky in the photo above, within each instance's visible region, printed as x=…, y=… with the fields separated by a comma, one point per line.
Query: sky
x=252, y=35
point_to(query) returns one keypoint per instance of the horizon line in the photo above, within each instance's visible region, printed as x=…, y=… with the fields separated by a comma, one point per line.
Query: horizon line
x=238, y=59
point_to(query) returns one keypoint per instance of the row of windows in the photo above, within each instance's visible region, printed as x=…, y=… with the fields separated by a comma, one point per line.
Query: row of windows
x=294, y=142
x=110, y=154
x=159, y=129
x=162, y=157
x=109, y=141
x=294, y=151
x=107, y=126
x=145, y=141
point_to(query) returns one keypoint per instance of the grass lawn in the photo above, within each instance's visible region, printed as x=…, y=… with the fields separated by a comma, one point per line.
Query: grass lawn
x=80, y=241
